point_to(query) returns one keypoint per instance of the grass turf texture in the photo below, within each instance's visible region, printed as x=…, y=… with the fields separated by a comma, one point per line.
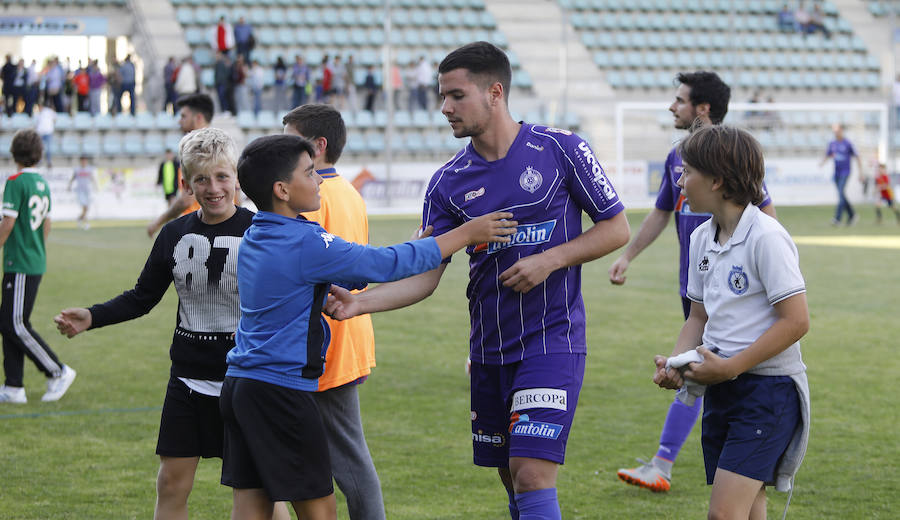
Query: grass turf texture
x=91, y=455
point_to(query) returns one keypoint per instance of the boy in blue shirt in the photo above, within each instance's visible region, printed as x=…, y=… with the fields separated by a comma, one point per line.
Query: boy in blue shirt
x=275, y=445
x=748, y=312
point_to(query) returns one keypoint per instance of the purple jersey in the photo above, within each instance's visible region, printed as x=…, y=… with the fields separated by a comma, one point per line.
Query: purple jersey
x=841, y=151
x=670, y=198
x=548, y=177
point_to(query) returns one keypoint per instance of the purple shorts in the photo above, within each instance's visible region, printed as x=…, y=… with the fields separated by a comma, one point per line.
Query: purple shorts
x=524, y=409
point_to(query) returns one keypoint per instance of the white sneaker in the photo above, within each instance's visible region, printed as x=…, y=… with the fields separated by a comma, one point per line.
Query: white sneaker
x=57, y=386
x=12, y=394
x=648, y=476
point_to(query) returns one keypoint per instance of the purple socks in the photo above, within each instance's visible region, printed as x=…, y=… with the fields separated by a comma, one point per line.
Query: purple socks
x=679, y=422
x=538, y=505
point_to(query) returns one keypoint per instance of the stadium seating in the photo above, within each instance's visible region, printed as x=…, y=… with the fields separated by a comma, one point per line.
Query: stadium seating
x=663, y=36
x=638, y=45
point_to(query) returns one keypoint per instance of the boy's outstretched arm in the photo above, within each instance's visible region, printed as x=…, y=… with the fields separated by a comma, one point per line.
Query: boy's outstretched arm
x=791, y=325
x=493, y=227
x=71, y=322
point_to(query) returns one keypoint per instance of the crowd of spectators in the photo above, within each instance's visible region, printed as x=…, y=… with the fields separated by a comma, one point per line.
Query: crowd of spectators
x=803, y=21
x=237, y=77
x=65, y=88
x=240, y=82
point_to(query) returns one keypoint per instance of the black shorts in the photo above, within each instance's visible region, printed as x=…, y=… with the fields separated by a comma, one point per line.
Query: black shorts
x=190, y=425
x=274, y=440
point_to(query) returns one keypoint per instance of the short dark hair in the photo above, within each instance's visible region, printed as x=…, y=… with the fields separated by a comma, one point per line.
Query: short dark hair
x=267, y=160
x=708, y=87
x=198, y=102
x=483, y=60
x=731, y=154
x=26, y=147
x=320, y=120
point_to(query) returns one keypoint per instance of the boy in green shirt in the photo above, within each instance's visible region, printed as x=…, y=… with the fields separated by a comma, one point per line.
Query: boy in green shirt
x=23, y=230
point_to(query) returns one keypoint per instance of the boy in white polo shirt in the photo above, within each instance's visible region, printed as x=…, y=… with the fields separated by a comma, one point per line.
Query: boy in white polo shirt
x=748, y=311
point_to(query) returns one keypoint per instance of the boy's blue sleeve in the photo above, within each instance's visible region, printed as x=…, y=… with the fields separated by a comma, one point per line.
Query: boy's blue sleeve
x=330, y=259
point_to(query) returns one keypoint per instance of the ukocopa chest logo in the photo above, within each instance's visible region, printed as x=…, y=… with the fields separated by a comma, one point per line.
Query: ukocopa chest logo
x=597, y=171
x=525, y=235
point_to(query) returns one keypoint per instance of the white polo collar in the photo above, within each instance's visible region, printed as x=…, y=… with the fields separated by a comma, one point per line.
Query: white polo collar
x=748, y=217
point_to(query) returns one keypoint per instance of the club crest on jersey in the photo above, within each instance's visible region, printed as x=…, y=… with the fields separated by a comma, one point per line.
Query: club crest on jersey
x=531, y=180
x=558, y=131
x=525, y=235
x=328, y=238
x=737, y=280
x=522, y=426
x=474, y=194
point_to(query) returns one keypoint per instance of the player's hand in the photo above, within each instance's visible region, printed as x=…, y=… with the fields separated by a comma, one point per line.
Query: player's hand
x=493, y=227
x=71, y=322
x=713, y=369
x=527, y=273
x=617, y=271
x=341, y=304
x=670, y=378
x=420, y=233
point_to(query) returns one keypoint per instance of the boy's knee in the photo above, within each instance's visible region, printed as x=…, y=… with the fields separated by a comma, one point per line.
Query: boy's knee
x=171, y=482
x=533, y=474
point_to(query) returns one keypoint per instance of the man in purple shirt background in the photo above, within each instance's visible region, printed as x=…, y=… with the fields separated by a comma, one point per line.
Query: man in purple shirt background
x=701, y=99
x=527, y=340
x=841, y=150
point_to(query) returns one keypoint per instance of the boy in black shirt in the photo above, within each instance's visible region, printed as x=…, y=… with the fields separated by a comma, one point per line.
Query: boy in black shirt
x=198, y=252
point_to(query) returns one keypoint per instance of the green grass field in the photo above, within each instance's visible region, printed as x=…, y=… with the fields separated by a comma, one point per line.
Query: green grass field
x=91, y=455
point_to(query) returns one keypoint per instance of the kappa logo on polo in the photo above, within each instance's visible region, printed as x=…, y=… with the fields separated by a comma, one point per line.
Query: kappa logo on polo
x=328, y=238
x=539, y=398
x=704, y=265
x=496, y=439
x=524, y=427
x=525, y=235
x=597, y=171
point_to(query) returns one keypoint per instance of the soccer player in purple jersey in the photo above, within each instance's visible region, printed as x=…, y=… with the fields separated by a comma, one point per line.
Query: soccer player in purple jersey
x=841, y=150
x=527, y=340
x=701, y=98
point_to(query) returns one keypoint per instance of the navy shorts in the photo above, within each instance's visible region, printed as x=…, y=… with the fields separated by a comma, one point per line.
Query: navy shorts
x=190, y=424
x=747, y=425
x=524, y=409
x=274, y=440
